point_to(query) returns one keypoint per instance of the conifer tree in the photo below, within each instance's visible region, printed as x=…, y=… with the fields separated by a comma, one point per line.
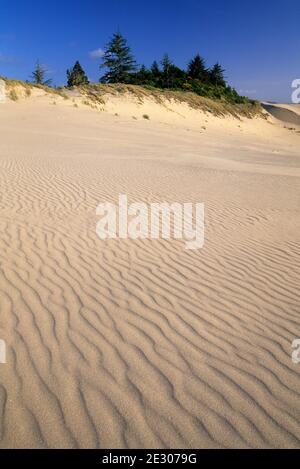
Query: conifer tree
x=171, y=75
x=76, y=76
x=119, y=60
x=38, y=76
x=166, y=70
x=155, y=74
x=216, y=75
x=197, y=69
x=155, y=69
x=143, y=74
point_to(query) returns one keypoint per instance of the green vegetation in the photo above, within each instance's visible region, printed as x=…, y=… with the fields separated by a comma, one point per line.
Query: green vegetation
x=199, y=86
x=118, y=60
x=207, y=82
x=219, y=107
x=76, y=76
x=38, y=76
x=197, y=69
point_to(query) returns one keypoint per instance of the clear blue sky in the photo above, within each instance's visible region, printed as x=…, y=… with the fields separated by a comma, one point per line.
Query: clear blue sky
x=257, y=41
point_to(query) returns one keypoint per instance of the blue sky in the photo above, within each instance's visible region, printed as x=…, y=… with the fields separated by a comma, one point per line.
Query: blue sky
x=257, y=42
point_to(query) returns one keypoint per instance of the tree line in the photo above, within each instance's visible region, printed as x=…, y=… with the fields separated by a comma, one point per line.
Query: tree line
x=120, y=66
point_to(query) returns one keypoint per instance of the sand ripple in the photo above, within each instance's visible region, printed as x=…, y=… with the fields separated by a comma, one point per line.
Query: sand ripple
x=143, y=344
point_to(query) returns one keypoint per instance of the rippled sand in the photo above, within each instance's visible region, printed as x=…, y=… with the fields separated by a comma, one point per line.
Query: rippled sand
x=142, y=343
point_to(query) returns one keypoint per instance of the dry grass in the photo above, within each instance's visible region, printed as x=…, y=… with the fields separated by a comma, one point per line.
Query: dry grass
x=13, y=95
x=28, y=87
x=95, y=94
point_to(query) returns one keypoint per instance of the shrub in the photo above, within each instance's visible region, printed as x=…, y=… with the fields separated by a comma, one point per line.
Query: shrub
x=13, y=95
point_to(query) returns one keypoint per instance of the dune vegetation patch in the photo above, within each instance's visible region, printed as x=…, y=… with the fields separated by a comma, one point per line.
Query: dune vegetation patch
x=98, y=94
x=13, y=95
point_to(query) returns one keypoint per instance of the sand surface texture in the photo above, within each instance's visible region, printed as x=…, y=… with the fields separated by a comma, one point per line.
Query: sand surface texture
x=142, y=343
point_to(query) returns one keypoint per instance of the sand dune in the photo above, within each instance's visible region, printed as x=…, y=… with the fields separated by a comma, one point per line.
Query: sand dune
x=126, y=344
x=286, y=113
x=292, y=107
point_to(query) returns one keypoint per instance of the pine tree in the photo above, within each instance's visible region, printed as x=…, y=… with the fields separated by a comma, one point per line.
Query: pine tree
x=119, y=60
x=155, y=75
x=166, y=71
x=142, y=77
x=155, y=69
x=216, y=75
x=39, y=74
x=171, y=75
x=76, y=76
x=166, y=64
x=143, y=74
x=197, y=69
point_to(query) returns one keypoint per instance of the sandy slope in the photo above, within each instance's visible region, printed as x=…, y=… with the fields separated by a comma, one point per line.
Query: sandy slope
x=142, y=343
x=289, y=113
x=292, y=107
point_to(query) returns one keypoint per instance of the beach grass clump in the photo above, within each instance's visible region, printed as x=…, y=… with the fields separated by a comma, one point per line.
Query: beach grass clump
x=13, y=95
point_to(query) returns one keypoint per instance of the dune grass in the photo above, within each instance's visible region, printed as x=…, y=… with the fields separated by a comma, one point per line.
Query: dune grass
x=95, y=94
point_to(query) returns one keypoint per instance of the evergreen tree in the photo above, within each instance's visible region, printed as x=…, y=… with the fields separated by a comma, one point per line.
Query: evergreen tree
x=216, y=75
x=166, y=71
x=171, y=75
x=38, y=76
x=76, y=76
x=143, y=75
x=119, y=60
x=155, y=69
x=197, y=69
x=155, y=75
x=166, y=64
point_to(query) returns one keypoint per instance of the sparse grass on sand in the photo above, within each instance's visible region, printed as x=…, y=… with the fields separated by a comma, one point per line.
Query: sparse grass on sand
x=28, y=87
x=13, y=95
x=95, y=94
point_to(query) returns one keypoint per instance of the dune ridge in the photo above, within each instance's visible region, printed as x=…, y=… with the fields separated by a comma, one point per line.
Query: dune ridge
x=127, y=344
x=288, y=114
